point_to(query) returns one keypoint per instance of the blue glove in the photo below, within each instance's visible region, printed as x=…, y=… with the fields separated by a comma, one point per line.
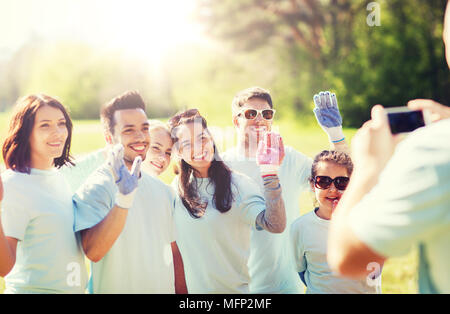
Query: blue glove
x=127, y=181
x=327, y=114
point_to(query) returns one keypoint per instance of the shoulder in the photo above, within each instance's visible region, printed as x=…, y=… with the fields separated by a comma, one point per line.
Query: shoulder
x=157, y=185
x=100, y=179
x=14, y=181
x=229, y=153
x=242, y=180
x=302, y=221
x=431, y=141
x=294, y=154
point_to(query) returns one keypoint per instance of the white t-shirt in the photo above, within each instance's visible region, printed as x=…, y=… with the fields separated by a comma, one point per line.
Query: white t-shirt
x=140, y=260
x=410, y=206
x=216, y=247
x=37, y=210
x=270, y=263
x=309, y=237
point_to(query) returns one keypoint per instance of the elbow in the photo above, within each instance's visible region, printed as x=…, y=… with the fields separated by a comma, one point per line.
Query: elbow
x=5, y=269
x=278, y=228
x=92, y=255
x=89, y=250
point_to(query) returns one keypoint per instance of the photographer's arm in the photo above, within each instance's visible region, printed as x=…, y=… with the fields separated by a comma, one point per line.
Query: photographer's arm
x=372, y=148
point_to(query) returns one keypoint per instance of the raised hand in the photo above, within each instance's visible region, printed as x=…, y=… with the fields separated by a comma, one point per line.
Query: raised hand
x=327, y=114
x=270, y=153
x=127, y=181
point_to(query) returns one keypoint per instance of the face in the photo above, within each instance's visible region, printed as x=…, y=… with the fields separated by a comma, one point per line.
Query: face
x=131, y=130
x=158, y=155
x=195, y=146
x=252, y=130
x=48, y=137
x=326, y=197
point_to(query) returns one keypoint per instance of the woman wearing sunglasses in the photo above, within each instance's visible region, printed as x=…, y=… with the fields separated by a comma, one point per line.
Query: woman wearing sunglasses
x=330, y=174
x=217, y=208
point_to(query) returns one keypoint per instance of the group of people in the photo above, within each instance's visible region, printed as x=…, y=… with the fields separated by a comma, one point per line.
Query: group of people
x=229, y=222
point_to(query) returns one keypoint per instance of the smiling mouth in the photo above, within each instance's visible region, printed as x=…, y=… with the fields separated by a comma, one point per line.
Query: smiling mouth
x=55, y=144
x=138, y=148
x=200, y=157
x=157, y=165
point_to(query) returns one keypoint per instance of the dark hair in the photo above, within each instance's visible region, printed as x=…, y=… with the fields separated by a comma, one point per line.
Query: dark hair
x=16, y=148
x=128, y=100
x=339, y=158
x=249, y=93
x=218, y=172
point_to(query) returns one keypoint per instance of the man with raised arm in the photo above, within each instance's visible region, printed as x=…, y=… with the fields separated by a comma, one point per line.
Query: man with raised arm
x=124, y=215
x=270, y=265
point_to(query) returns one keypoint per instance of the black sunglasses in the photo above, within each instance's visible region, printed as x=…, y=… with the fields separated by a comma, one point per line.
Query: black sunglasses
x=324, y=182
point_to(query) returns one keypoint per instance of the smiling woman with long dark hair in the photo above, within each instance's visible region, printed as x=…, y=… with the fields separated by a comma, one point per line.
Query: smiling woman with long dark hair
x=39, y=252
x=217, y=209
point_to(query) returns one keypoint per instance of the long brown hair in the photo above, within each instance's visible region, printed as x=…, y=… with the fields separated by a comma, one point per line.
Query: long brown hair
x=16, y=148
x=218, y=173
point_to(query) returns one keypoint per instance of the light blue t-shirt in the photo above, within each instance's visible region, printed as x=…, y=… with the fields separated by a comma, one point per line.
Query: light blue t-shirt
x=270, y=263
x=410, y=206
x=140, y=260
x=309, y=238
x=216, y=247
x=84, y=167
x=37, y=210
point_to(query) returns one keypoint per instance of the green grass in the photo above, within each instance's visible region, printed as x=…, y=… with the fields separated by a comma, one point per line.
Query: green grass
x=399, y=274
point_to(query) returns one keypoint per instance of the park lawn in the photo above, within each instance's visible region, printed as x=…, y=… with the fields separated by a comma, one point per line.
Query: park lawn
x=399, y=274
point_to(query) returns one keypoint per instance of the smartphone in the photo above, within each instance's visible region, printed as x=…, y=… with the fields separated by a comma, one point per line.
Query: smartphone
x=404, y=120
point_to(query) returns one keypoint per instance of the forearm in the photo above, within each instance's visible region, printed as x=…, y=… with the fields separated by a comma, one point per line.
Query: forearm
x=180, y=280
x=346, y=253
x=99, y=239
x=7, y=253
x=273, y=219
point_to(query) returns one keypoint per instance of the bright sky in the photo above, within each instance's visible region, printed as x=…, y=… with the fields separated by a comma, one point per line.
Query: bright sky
x=141, y=27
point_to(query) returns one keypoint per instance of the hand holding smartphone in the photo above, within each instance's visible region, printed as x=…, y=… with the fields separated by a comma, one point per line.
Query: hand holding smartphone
x=405, y=120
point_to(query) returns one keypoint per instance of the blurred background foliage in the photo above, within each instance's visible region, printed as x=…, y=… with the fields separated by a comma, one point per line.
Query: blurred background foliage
x=294, y=48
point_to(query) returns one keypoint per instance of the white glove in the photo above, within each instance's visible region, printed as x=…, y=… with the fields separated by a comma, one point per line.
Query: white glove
x=328, y=115
x=127, y=181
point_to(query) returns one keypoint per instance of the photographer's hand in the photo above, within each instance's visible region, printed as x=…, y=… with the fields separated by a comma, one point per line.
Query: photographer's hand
x=373, y=144
x=437, y=111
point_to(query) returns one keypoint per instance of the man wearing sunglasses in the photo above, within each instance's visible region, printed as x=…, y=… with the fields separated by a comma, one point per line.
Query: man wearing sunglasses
x=270, y=266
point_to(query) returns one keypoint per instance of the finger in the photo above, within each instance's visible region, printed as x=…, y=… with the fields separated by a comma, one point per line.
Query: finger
x=281, y=149
x=334, y=102
x=317, y=100
x=323, y=100
x=136, y=167
x=418, y=104
x=328, y=99
x=269, y=141
x=379, y=117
